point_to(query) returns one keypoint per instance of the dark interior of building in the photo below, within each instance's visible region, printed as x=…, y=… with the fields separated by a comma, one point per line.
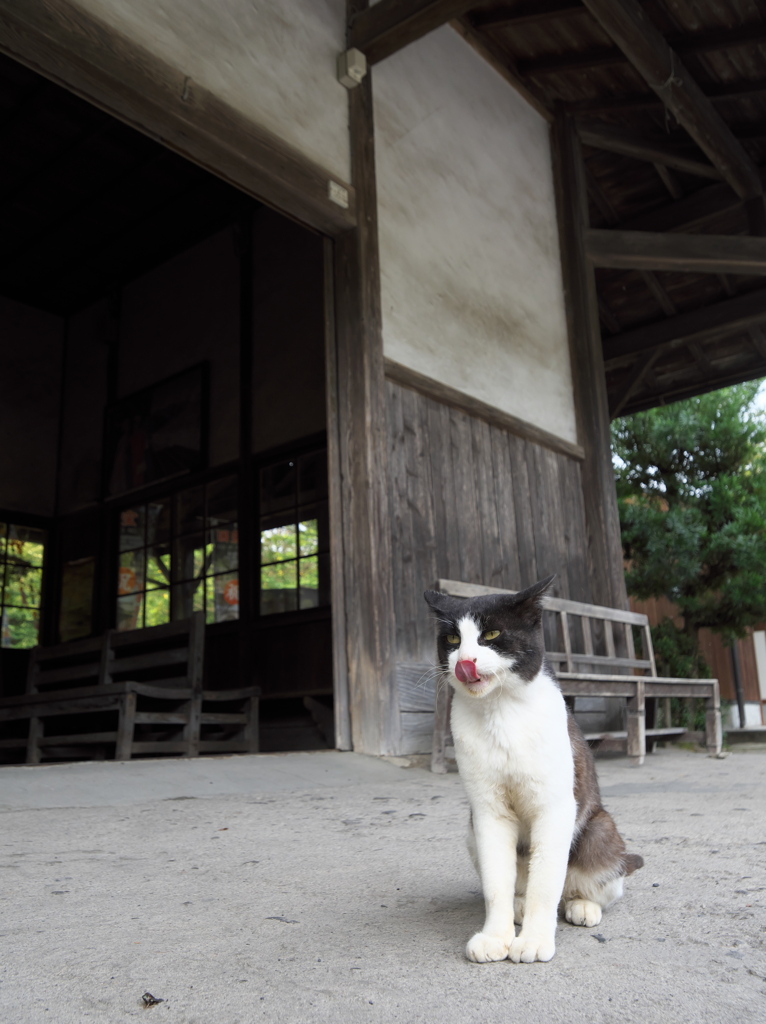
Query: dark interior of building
x=163, y=408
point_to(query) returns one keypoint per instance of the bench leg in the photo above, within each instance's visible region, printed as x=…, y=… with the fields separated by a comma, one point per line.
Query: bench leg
x=441, y=727
x=713, y=732
x=193, y=726
x=637, y=725
x=34, y=734
x=251, y=729
x=125, y=728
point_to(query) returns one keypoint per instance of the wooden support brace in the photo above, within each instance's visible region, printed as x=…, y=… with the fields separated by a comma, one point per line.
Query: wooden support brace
x=637, y=725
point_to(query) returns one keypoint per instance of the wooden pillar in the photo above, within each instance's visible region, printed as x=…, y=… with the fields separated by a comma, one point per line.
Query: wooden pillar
x=364, y=533
x=592, y=410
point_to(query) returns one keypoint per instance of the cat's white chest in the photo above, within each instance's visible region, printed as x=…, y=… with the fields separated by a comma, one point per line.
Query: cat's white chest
x=515, y=749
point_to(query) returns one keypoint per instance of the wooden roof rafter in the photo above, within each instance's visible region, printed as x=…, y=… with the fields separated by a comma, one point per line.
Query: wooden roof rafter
x=381, y=30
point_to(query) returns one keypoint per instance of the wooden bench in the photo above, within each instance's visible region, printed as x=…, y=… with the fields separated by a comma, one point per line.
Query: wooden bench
x=133, y=693
x=593, y=650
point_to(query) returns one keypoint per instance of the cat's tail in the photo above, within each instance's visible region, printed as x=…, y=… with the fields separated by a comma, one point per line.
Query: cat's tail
x=632, y=862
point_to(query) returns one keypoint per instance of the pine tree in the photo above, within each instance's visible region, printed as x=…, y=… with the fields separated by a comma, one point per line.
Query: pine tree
x=691, y=486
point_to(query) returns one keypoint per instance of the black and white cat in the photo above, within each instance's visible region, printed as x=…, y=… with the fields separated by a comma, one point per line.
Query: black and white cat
x=539, y=835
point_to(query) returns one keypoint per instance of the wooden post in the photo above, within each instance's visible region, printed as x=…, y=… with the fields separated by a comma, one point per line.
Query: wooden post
x=592, y=409
x=363, y=451
x=713, y=732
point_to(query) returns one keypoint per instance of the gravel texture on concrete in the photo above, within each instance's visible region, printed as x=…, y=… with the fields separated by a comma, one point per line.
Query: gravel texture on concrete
x=334, y=887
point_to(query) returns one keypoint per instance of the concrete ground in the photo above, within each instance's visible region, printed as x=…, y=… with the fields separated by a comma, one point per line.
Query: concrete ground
x=339, y=890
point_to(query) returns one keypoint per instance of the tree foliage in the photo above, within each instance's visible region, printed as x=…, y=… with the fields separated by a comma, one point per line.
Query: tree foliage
x=691, y=485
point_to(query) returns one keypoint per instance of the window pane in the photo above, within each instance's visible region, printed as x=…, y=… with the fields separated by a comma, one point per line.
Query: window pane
x=308, y=537
x=3, y=532
x=158, y=521
x=26, y=545
x=129, y=612
x=130, y=576
x=309, y=582
x=222, y=598
x=132, y=528
x=222, y=501
x=279, y=543
x=157, y=607
x=190, y=556
x=224, y=548
x=190, y=510
x=157, y=567
x=278, y=486
x=22, y=585
x=278, y=588
x=19, y=627
x=313, y=477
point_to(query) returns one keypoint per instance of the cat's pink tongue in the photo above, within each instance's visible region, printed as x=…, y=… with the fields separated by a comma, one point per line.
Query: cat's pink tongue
x=466, y=672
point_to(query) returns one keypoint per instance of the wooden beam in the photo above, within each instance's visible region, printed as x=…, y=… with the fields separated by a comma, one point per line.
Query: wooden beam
x=591, y=405
x=628, y=25
x=503, y=63
x=648, y=101
x=693, y=254
x=704, y=324
x=690, y=213
x=684, y=45
x=61, y=41
x=670, y=181
x=627, y=143
x=362, y=452
x=530, y=13
x=635, y=380
x=390, y=25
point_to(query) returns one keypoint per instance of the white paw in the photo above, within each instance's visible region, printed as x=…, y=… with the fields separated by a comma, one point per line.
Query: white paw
x=484, y=949
x=584, y=912
x=526, y=949
x=518, y=910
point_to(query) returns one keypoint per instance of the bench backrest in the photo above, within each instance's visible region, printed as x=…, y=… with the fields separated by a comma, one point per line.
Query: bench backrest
x=166, y=656
x=583, y=638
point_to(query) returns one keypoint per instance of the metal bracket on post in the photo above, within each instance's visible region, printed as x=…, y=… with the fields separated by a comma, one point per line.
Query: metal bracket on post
x=352, y=67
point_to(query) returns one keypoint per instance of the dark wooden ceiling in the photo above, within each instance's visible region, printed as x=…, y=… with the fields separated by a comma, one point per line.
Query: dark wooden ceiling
x=669, y=328
x=87, y=203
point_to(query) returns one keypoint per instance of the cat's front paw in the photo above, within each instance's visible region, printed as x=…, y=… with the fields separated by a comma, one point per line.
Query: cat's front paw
x=483, y=949
x=584, y=912
x=526, y=949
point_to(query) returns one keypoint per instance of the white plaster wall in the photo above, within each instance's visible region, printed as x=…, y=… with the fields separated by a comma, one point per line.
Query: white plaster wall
x=272, y=60
x=471, y=277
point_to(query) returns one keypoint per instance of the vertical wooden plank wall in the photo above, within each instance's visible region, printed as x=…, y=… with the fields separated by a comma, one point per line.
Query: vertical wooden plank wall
x=470, y=501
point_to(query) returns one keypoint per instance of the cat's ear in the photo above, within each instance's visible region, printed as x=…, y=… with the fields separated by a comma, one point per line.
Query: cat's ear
x=437, y=601
x=530, y=601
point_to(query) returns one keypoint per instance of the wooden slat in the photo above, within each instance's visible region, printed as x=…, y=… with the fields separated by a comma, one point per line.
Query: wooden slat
x=234, y=746
x=529, y=13
x=223, y=718
x=694, y=254
x=602, y=660
x=417, y=732
x=628, y=25
x=56, y=676
x=161, y=718
x=78, y=739
x=506, y=507
x=245, y=693
x=50, y=707
x=154, y=660
x=389, y=25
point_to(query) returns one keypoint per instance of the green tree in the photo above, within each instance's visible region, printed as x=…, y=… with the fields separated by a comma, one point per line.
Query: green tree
x=691, y=486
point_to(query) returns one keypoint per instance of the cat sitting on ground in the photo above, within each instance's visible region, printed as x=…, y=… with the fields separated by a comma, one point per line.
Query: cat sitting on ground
x=539, y=836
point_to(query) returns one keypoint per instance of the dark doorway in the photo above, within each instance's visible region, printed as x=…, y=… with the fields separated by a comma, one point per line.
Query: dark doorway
x=162, y=345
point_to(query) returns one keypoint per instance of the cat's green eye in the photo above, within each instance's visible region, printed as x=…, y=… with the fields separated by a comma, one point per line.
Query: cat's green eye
x=490, y=634
x=452, y=639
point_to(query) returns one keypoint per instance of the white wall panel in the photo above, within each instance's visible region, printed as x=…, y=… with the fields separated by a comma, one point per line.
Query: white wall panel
x=471, y=277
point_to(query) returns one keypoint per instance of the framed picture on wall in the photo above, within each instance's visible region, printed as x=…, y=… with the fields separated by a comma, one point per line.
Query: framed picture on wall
x=157, y=433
